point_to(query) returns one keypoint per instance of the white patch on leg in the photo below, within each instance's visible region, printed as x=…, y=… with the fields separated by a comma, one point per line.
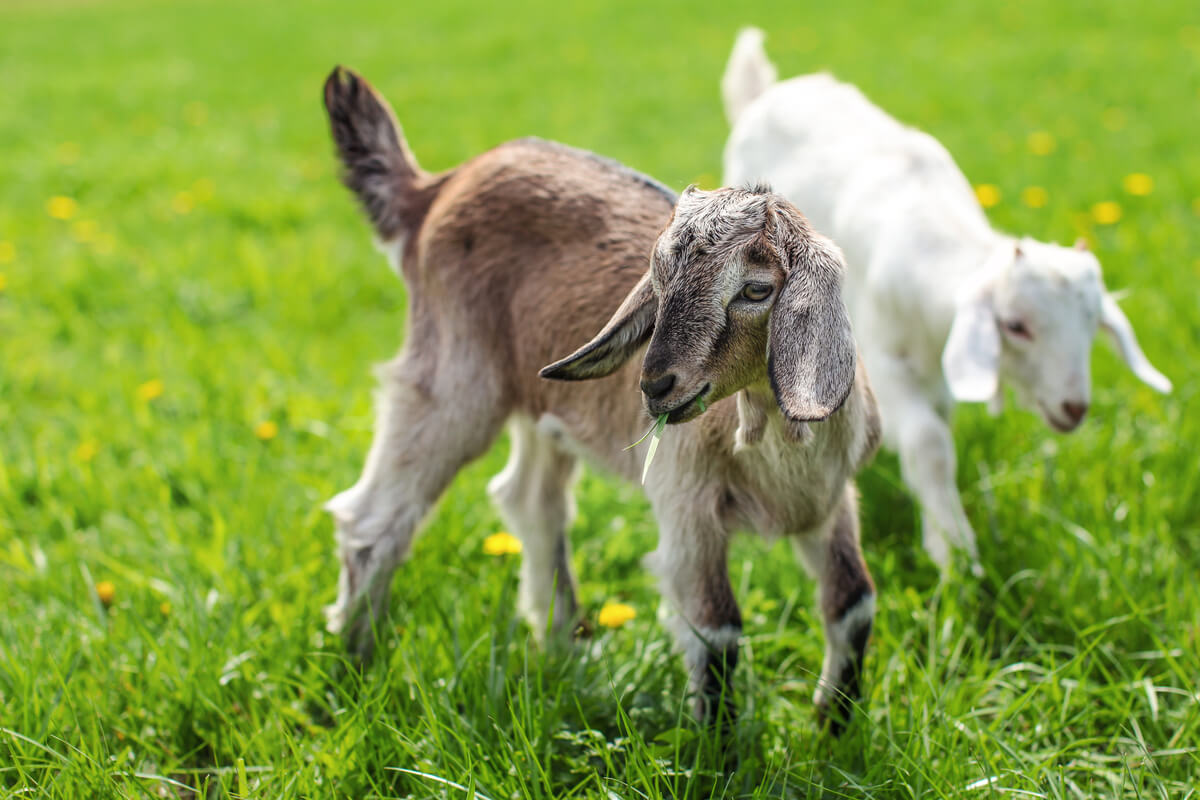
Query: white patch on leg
x=839, y=649
x=698, y=641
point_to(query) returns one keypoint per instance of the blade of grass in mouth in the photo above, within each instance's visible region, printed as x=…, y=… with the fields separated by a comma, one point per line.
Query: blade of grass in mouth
x=654, y=440
x=655, y=432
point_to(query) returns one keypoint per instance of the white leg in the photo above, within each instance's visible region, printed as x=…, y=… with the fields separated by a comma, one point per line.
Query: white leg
x=929, y=465
x=847, y=598
x=915, y=427
x=533, y=495
x=423, y=436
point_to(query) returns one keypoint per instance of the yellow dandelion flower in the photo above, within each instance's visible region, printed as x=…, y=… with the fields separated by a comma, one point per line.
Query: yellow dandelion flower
x=1035, y=196
x=501, y=544
x=266, y=430
x=1138, y=184
x=107, y=592
x=988, y=194
x=1041, y=143
x=164, y=608
x=1106, y=213
x=84, y=230
x=87, y=450
x=61, y=207
x=182, y=202
x=8, y=252
x=614, y=615
x=149, y=390
x=1114, y=119
x=3, y=281
x=67, y=152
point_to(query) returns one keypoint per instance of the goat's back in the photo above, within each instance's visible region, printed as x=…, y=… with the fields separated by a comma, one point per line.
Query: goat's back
x=524, y=254
x=879, y=188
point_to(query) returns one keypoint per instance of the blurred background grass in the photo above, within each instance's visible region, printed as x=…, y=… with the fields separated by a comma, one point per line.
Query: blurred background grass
x=189, y=306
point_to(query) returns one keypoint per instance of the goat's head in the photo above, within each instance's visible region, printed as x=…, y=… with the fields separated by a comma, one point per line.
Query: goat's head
x=740, y=291
x=1030, y=321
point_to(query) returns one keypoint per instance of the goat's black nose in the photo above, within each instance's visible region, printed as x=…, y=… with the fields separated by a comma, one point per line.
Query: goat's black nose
x=1074, y=411
x=657, y=388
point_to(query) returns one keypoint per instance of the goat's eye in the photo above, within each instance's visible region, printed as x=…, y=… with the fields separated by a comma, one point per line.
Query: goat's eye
x=757, y=292
x=1017, y=328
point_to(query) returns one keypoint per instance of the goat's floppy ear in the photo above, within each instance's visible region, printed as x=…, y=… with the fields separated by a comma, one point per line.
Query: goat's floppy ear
x=1114, y=322
x=810, y=348
x=628, y=330
x=971, y=358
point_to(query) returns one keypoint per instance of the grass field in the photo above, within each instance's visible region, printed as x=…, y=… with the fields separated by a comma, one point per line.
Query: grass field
x=190, y=307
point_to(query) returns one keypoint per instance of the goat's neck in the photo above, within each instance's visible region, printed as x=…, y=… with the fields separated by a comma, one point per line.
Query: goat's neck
x=759, y=417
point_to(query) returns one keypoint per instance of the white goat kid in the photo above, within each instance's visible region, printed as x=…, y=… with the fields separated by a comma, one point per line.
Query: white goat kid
x=945, y=308
x=525, y=249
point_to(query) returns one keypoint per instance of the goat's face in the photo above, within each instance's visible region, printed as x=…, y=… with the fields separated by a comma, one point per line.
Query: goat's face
x=1047, y=309
x=1031, y=324
x=740, y=291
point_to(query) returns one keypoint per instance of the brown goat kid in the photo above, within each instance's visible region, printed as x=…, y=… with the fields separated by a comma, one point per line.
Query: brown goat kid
x=524, y=251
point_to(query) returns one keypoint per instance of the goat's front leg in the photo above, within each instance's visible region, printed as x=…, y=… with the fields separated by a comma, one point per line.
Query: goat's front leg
x=847, y=596
x=691, y=561
x=915, y=428
x=929, y=465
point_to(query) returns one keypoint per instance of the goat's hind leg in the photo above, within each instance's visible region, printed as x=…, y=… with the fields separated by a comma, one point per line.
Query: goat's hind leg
x=423, y=437
x=847, y=599
x=533, y=494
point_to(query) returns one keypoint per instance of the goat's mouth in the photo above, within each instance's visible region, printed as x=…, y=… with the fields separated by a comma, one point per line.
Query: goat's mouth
x=687, y=410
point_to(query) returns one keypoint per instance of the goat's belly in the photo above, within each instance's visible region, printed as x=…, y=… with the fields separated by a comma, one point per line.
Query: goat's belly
x=597, y=447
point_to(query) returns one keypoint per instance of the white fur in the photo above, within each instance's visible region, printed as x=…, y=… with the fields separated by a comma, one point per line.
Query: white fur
x=838, y=647
x=930, y=285
x=533, y=496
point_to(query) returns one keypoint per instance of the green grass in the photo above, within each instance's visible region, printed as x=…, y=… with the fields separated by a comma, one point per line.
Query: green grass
x=226, y=262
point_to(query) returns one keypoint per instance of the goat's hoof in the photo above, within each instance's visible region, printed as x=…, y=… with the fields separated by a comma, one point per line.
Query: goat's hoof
x=354, y=629
x=584, y=629
x=834, y=713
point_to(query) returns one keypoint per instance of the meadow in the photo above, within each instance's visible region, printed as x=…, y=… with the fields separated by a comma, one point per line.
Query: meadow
x=190, y=307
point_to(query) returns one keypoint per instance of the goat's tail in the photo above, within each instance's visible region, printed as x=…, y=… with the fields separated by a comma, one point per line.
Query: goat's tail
x=377, y=164
x=748, y=74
